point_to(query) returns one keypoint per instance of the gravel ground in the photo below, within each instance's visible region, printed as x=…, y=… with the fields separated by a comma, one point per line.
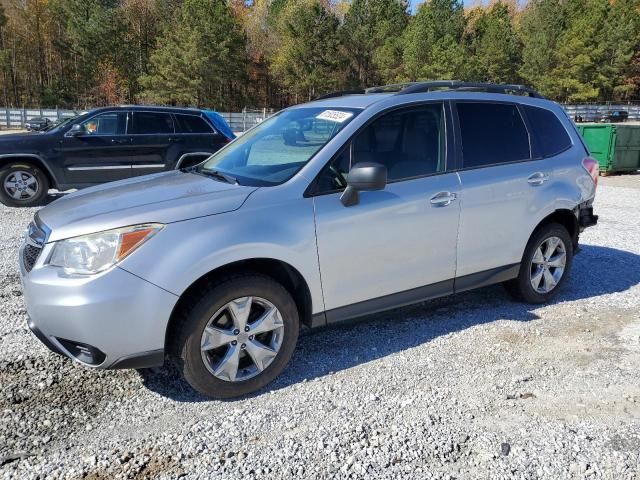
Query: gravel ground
x=472, y=386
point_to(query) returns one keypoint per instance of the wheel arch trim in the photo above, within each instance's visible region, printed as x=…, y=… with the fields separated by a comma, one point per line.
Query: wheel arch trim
x=41, y=162
x=281, y=271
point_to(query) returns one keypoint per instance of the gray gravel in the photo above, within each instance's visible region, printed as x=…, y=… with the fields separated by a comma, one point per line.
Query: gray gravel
x=474, y=386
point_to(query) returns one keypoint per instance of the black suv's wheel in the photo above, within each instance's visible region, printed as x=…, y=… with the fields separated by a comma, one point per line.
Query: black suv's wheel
x=545, y=265
x=22, y=185
x=237, y=336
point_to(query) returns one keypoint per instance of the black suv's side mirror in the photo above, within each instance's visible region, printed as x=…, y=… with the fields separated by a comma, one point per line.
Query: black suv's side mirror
x=77, y=130
x=363, y=177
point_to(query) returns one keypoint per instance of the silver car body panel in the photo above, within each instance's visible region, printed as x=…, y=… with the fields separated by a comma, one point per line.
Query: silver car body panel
x=396, y=231
x=114, y=311
x=393, y=244
x=161, y=198
x=187, y=250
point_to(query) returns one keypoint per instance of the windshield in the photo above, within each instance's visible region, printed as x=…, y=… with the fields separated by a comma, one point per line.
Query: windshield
x=275, y=150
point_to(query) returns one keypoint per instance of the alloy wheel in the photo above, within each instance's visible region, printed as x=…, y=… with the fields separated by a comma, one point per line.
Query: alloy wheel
x=242, y=339
x=21, y=185
x=548, y=264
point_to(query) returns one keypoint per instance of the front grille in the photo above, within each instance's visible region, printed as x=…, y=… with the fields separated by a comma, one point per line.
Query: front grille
x=29, y=256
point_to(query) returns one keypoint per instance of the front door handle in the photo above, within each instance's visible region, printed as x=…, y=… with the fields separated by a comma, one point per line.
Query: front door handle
x=119, y=141
x=175, y=139
x=537, y=178
x=442, y=199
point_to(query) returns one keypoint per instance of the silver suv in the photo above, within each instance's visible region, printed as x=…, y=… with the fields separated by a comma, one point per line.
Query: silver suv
x=327, y=211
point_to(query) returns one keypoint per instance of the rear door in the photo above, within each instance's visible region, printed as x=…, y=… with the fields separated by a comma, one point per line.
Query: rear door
x=199, y=139
x=101, y=154
x=505, y=185
x=153, y=140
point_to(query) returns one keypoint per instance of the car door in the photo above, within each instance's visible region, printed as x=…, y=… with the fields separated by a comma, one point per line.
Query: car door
x=504, y=187
x=199, y=140
x=398, y=245
x=152, y=138
x=101, y=154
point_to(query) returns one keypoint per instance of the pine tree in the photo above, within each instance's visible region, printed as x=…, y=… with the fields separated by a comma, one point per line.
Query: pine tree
x=494, y=47
x=541, y=25
x=578, y=71
x=372, y=37
x=308, y=60
x=200, y=60
x=433, y=47
x=620, y=40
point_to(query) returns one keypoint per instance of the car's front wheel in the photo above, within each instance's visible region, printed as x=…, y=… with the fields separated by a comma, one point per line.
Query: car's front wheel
x=22, y=185
x=237, y=336
x=545, y=265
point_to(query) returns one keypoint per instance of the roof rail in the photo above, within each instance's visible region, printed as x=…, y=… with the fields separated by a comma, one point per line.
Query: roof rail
x=423, y=87
x=341, y=93
x=420, y=87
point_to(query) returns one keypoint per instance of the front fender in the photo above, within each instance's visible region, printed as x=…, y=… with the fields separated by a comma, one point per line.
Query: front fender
x=185, y=251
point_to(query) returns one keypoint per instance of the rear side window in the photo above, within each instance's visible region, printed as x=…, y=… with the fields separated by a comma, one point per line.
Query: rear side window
x=192, y=124
x=151, y=123
x=492, y=133
x=550, y=136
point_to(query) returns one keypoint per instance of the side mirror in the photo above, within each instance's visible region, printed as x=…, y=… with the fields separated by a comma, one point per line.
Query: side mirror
x=363, y=177
x=76, y=130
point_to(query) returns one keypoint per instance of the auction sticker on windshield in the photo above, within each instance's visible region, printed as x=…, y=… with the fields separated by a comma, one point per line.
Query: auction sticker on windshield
x=335, y=116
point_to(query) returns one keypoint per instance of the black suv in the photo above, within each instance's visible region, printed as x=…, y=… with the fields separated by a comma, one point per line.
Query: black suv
x=614, y=116
x=103, y=145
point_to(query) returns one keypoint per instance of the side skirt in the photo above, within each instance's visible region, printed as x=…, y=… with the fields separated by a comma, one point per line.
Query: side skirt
x=417, y=295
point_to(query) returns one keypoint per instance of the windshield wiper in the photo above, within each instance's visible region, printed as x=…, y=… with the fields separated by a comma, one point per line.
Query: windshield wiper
x=225, y=177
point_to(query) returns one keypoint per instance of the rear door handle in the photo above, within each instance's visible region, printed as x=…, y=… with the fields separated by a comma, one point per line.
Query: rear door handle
x=120, y=141
x=175, y=139
x=537, y=178
x=442, y=199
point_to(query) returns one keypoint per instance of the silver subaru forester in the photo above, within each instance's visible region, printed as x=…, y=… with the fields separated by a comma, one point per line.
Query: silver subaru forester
x=335, y=209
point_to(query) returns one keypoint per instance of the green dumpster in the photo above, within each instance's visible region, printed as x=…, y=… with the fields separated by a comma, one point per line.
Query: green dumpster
x=616, y=147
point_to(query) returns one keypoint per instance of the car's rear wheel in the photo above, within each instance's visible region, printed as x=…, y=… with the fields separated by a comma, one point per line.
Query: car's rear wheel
x=545, y=265
x=22, y=185
x=237, y=336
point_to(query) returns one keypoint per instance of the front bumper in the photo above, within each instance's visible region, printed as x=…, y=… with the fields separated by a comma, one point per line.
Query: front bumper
x=110, y=320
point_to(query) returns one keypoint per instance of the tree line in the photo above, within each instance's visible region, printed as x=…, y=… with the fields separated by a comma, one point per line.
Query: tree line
x=272, y=53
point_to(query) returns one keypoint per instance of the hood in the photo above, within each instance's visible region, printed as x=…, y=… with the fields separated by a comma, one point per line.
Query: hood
x=16, y=137
x=163, y=198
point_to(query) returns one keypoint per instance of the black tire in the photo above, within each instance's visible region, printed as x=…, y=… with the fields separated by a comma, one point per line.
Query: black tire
x=520, y=288
x=196, y=315
x=42, y=185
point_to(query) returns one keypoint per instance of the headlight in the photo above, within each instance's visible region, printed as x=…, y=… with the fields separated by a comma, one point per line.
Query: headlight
x=94, y=253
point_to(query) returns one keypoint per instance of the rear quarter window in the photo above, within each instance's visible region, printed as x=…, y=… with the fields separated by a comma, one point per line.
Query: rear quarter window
x=192, y=124
x=550, y=135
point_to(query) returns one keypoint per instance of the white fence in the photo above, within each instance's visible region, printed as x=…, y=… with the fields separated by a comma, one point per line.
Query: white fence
x=15, y=118
x=590, y=112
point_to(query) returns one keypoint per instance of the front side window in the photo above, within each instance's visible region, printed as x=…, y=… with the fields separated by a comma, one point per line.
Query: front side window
x=191, y=124
x=409, y=142
x=551, y=137
x=111, y=123
x=149, y=123
x=492, y=133
x=276, y=149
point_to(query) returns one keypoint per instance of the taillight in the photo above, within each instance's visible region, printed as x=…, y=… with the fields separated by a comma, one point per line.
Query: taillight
x=592, y=166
